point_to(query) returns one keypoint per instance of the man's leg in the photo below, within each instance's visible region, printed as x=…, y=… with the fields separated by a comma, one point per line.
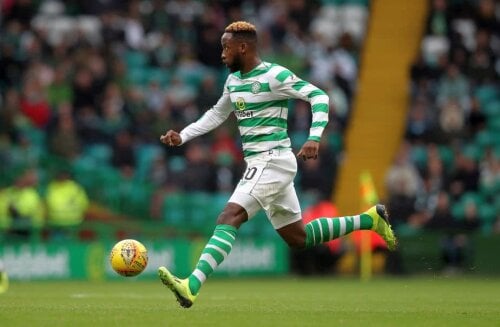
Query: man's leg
x=325, y=229
x=217, y=249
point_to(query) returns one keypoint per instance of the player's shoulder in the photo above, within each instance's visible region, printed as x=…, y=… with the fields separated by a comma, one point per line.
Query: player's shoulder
x=280, y=73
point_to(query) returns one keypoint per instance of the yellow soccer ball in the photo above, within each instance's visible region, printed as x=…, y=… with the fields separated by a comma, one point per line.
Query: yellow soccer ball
x=129, y=258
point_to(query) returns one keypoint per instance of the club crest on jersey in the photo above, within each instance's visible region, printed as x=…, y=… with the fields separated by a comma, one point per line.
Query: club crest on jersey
x=256, y=87
x=240, y=103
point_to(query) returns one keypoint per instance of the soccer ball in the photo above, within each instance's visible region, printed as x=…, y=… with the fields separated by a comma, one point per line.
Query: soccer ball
x=129, y=258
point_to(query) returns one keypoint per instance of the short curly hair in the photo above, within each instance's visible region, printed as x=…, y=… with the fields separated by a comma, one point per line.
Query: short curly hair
x=243, y=30
x=241, y=27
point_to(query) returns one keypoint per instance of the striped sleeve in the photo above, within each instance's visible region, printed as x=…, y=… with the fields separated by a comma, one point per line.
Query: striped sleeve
x=290, y=85
x=210, y=120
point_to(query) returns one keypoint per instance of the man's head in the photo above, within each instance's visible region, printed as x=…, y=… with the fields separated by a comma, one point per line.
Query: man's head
x=239, y=43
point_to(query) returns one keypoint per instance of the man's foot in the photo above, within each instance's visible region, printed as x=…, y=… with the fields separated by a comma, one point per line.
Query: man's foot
x=180, y=287
x=382, y=226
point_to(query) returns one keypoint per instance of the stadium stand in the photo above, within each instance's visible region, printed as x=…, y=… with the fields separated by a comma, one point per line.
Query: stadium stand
x=447, y=173
x=96, y=83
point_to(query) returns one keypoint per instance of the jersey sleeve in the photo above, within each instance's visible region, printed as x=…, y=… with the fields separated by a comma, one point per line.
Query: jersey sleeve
x=288, y=84
x=211, y=119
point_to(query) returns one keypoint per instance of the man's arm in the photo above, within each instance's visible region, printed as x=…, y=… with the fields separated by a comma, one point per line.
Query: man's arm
x=210, y=120
x=292, y=86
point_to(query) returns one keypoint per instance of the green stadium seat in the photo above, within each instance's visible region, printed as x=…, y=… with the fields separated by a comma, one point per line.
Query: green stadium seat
x=488, y=190
x=458, y=210
x=332, y=2
x=198, y=211
x=484, y=139
x=83, y=169
x=492, y=109
x=177, y=163
x=145, y=157
x=487, y=213
x=138, y=76
x=446, y=155
x=136, y=59
x=493, y=125
x=35, y=136
x=364, y=3
x=496, y=200
x=107, y=182
x=472, y=151
x=100, y=153
x=486, y=94
x=174, y=211
x=335, y=141
x=159, y=75
x=458, y=207
x=135, y=198
x=418, y=156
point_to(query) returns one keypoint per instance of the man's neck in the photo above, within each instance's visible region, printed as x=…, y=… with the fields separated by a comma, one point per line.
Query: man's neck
x=250, y=65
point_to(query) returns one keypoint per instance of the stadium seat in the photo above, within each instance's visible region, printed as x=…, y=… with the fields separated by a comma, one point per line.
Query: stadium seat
x=99, y=153
x=174, y=211
x=328, y=3
x=198, y=211
x=146, y=155
x=493, y=124
x=492, y=108
x=472, y=151
x=135, y=198
x=446, y=155
x=137, y=76
x=418, y=156
x=335, y=141
x=162, y=76
x=484, y=139
x=485, y=94
x=136, y=59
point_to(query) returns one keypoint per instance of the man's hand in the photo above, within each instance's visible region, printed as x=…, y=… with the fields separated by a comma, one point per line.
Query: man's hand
x=171, y=138
x=309, y=150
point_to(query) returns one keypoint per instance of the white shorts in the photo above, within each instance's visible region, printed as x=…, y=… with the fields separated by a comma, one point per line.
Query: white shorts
x=267, y=184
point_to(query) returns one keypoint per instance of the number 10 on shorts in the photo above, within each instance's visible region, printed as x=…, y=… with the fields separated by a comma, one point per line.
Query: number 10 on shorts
x=250, y=177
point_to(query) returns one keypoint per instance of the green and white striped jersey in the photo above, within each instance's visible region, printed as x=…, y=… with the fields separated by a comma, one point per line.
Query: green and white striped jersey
x=259, y=99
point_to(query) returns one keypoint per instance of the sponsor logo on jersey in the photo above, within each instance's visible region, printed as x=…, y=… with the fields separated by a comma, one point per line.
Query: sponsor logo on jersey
x=244, y=114
x=240, y=103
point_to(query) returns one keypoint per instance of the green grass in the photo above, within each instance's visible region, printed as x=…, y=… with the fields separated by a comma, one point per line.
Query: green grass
x=257, y=302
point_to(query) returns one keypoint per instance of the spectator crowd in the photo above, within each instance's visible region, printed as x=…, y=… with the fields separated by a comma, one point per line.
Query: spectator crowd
x=446, y=175
x=93, y=84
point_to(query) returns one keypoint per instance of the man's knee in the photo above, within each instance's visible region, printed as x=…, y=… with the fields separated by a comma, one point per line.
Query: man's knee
x=296, y=243
x=233, y=215
x=294, y=235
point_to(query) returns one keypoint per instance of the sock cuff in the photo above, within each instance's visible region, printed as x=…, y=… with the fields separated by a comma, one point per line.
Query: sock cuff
x=226, y=228
x=309, y=235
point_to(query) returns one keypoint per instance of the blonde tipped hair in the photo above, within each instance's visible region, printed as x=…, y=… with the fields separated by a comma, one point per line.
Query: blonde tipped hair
x=241, y=27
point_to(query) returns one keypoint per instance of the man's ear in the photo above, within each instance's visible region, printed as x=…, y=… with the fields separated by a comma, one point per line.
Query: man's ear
x=243, y=47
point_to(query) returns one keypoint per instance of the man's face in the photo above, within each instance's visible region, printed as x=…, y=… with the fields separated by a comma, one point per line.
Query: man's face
x=231, y=52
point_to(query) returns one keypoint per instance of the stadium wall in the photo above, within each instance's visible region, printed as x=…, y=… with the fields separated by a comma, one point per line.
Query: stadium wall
x=89, y=260
x=419, y=254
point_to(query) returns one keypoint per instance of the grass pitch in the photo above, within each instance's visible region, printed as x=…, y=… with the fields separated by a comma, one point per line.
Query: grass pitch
x=257, y=302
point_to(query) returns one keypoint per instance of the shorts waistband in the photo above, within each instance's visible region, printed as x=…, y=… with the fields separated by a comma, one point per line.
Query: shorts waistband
x=271, y=152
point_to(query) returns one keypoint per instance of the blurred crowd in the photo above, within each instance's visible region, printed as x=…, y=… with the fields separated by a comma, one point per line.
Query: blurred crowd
x=446, y=175
x=95, y=83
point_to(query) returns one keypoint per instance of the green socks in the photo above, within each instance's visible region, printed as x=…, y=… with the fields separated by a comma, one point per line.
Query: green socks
x=325, y=229
x=216, y=250
x=317, y=231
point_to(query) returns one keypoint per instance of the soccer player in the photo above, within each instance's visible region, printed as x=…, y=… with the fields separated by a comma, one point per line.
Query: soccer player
x=258, y=92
